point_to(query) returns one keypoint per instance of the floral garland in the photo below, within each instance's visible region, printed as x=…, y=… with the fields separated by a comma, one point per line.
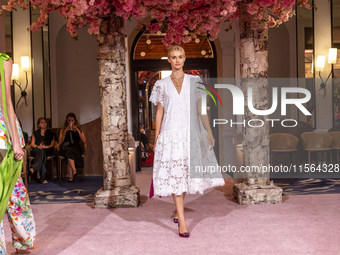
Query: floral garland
x=183, y=20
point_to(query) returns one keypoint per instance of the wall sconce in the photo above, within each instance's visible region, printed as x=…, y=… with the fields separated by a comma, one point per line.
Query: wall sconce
x=25, y=66
x=320, y=64
x=14, y=78
x=15, y=72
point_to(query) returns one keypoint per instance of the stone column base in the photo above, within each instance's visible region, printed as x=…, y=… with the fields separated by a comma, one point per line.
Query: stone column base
x=255, y=194
x=118, y=197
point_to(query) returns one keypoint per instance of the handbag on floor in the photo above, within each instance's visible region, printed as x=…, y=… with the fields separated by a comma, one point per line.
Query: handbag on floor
x=10, y=169
x=151, y=193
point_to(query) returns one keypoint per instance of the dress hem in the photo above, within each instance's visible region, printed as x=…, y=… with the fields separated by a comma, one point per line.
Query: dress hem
x=187, y=192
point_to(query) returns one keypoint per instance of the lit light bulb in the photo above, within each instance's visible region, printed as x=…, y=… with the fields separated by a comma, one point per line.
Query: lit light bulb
x=15, y=72
x=197, y=40
x=148, y=41
x=142, y=54
x=320, y=63
x=25, y=64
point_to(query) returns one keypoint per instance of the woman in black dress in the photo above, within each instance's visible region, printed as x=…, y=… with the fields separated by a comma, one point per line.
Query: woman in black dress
x=70, y=136
x=42, y=143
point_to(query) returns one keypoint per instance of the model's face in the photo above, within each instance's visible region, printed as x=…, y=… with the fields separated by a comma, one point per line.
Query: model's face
x=70, y=120
x=43, y=124
x=176, y=59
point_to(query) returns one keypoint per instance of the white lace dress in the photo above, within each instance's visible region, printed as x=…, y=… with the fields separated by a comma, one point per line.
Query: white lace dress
x=182, y=146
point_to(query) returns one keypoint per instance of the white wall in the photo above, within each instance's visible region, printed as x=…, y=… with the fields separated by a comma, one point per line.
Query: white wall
x=322, y=39
x=56, y=22
x=280, y=61
x=76, y=76
x=22, y=47
x=227, y=54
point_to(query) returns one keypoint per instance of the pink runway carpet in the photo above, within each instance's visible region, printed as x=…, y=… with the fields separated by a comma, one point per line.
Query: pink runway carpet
x=307, y=224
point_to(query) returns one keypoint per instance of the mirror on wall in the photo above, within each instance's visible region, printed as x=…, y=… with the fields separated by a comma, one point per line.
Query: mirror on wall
x=41, y=71
x=336, y=67
x=305, y=56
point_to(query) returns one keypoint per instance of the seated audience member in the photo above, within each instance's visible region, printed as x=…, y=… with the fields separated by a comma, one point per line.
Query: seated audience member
x=144, y=139
x=42, y=144
x=144, y=156
x=70, y=136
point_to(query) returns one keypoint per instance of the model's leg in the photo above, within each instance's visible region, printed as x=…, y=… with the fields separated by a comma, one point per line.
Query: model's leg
x=2, y=233
x=21, y=218
x=2, y=240
x=43, y=167
x=179, y=202
x=176, y=215
x=38, y=160
x=73, y=166
x=43, y=173
x=69, y=170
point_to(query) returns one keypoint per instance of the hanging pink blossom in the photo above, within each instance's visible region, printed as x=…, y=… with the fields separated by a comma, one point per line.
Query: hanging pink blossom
x=199, y=17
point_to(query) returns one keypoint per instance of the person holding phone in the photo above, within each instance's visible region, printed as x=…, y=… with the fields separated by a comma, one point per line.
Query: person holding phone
x=70, y=136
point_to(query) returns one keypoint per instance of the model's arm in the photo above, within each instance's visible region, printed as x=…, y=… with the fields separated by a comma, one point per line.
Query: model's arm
x=81, y=135
x=52, y=143
x=205, y=121
x=62, y=136
x=12, y=128
x=49, y=146
x=159, y=119
x=33, y=145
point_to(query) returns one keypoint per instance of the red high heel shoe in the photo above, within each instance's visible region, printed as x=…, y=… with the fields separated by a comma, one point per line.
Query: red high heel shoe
x=185, y=234
x=175, y=220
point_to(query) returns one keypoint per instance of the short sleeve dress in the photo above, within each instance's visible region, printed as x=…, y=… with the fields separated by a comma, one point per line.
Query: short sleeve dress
x=182, y=147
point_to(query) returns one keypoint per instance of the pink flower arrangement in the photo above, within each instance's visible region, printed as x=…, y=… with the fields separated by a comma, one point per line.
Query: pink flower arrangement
x=197, y=16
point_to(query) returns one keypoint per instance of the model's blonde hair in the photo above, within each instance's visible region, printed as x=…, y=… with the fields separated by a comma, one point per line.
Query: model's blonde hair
x=174, y=48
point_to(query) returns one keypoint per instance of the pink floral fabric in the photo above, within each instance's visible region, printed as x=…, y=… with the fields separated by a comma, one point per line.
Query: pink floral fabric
x=19, y=210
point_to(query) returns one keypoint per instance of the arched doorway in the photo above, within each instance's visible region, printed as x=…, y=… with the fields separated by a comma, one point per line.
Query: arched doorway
x=148, y=63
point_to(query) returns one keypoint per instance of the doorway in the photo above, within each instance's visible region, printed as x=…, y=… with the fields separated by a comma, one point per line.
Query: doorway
x=148, y=62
